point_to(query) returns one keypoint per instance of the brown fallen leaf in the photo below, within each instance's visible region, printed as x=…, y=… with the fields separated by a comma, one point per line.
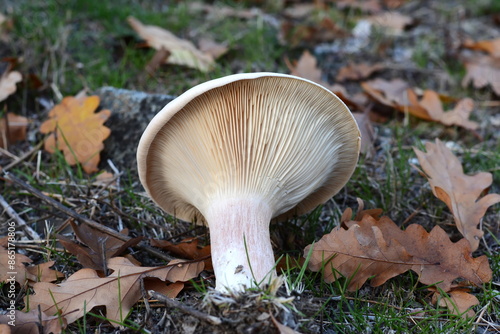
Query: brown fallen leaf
x=186, y=249
x=459, y=115
x=460, y=192
x=77, y=131
x=282, y=329
x=306, y=67
x=170, y=290
x=483, y=71
x=491, y=46
x=394, y=22
x=389, y=92
x=43, y=273
x=96, y=247
x=211, y=47
x=357, y=71
x=322, y=30
x=118, y=292
x=12, y=129
x=458, y=300
x=182, y=52
x=380, y=249
x=358, y=253
x=12, y=266
x=29, y=323
x=398, y=95
x=8, y=82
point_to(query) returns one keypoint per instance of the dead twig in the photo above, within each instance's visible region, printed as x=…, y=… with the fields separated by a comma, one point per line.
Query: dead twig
x=20, y=222
x=184, y=308
x=83, y=219
x=23, y=157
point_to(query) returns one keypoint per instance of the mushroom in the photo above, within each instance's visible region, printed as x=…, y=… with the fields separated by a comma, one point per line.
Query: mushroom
x=238, y=151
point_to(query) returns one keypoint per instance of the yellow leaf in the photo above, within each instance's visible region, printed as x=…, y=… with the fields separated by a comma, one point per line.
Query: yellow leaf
x=77, y=131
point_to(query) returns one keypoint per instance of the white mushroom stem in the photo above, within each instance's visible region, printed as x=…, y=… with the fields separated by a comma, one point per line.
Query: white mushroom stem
x=234, y=223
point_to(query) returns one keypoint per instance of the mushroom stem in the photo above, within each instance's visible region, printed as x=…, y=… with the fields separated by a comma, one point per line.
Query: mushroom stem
x=234, y=223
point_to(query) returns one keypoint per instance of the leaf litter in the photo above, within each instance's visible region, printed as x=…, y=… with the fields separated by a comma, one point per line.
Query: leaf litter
x=376, y=249
x=118, y=291
x=428, y=105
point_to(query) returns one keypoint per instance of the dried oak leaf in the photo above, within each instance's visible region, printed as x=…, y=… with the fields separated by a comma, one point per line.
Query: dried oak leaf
x=323, y=30
x=12, y=129
x=359, y=253
x=306, y=67
x=378, y=248
x=118, y=292
x=460, y=192
x=394, y=93
x=483, y=71
x=211, y=47
x=186, y=249
x=42, y=273
x=458, y=300
x=96, y=247
x=8, y=82
x=13, y=265
x=282, y=329
x=457, y=116
x=5, y=329
x=77, y=131
x=398, y=95
x=182, y=52
x=29, y=323
x=12, y=262
x=492, y=46
x=357, y=71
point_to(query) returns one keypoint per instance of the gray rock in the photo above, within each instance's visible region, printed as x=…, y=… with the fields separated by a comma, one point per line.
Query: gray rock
x=131, y=112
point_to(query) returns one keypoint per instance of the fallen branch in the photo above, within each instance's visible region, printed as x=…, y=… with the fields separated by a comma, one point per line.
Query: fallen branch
x=184, y=308
x=83, y=219
x=20, y=222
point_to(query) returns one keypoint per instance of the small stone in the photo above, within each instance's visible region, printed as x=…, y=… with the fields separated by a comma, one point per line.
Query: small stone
x=131, y=112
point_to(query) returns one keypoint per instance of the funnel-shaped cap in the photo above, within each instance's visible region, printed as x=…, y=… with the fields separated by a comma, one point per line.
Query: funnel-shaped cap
x=279, y=138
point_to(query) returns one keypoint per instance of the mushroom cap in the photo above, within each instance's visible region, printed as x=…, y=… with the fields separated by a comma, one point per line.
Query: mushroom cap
x=274, y=137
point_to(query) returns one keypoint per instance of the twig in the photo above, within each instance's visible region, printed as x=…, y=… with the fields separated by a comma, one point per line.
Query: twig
x=20, y=222
x=186, y=309
x=7, y=153
x=22, y=157
x=84, y=219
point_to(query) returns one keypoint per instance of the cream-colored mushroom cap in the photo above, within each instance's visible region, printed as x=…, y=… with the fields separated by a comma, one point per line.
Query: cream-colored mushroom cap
x=282, y=139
